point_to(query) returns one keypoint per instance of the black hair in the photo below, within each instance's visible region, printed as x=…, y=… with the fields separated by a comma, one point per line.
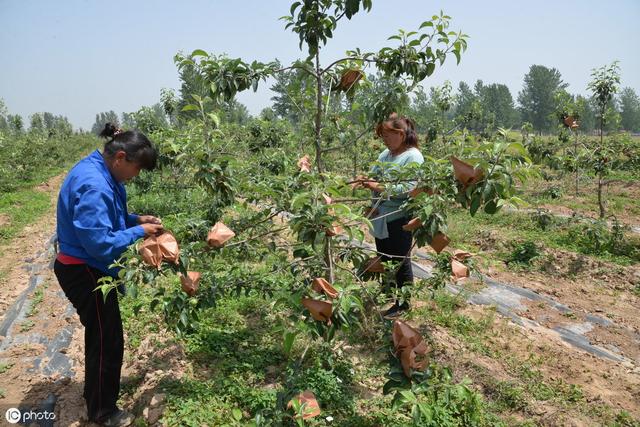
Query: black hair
x=137, y=147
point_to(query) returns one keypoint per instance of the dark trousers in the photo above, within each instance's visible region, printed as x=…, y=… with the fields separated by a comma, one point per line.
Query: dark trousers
x=103, y=337
x=398, y=244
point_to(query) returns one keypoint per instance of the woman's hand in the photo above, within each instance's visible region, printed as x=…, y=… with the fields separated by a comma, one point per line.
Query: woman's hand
x=151, y=229
x=148, y=219
x=373, y=185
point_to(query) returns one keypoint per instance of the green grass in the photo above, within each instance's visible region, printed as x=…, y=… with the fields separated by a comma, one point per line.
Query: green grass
x=22, y=207
x=5, y=366
x=512, y=228
x=36, y=299
x=27, y=325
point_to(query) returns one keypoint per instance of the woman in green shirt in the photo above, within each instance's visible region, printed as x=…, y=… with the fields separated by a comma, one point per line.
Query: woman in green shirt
x=392, y=242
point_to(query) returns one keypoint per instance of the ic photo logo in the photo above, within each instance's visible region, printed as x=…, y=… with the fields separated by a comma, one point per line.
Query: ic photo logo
x=15, y=416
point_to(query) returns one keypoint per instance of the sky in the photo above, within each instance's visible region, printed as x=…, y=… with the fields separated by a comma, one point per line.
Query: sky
x=79, y=57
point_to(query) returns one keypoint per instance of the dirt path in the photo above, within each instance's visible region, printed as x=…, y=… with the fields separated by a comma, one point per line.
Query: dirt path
x=579, y=331
x=41, y=338
x=24, y=247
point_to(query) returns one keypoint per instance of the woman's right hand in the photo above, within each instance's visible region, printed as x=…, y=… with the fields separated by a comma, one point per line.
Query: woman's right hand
x=151, y=229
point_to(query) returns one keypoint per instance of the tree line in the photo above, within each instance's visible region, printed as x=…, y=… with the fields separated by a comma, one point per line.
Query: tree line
x=481, y=108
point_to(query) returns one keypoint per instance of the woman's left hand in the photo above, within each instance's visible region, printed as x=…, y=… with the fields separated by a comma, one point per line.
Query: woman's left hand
x=373, y=185
x=148, y=219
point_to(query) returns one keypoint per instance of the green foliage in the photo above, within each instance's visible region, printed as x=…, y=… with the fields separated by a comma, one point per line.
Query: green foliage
x=536, y=99
x=523, y=254
x=315, y=22
x=594, y=237
x=436, y=400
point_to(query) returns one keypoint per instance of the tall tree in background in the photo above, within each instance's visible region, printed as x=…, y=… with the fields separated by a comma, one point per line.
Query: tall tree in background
x=294, y=95
x=193, y=84
x=468, y=109
x=4, y=125
x=537, y=98
x=629, y=110
x=496, y=100
x=15, y=122
x=586, y=114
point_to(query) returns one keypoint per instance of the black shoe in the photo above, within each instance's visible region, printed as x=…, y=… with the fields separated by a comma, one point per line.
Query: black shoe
x=118, y=418
x=396, y=309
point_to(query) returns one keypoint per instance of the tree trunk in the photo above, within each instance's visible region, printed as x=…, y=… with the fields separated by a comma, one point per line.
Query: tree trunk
x=318, y=140
x=575, y=157
x=328, y=258
x=600, y=201
x=600, y=180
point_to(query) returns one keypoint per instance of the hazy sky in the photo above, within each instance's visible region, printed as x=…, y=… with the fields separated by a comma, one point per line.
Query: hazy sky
x=80, y=57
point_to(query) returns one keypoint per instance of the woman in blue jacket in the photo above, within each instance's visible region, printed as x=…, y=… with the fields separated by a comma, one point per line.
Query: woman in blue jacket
x=94, y=228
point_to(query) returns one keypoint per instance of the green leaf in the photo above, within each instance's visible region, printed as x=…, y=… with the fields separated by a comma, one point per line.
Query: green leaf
x=475, y=204
x=289, y=338
x=491, y=207
x=294, y=7
x=199, y=52
x=190, y=107
x=430, y=68
x=236, y=414
x=426, y=24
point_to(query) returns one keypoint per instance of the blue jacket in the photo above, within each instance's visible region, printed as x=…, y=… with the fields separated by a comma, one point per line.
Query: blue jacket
x=93, y=222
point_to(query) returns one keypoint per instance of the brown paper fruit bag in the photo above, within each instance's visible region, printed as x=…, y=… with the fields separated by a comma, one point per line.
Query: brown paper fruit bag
x=412, y=225
x=374, y=265
x=465, y=173
x=320, y=310
x=439, y=242
x=190, y=282
x=308, y=399
x=458, y=270
x=408, y=344
x=150, y=251
x=304, y=164
x=321, y=285
x=219, y=235
x=349, y=78
x=169, y=247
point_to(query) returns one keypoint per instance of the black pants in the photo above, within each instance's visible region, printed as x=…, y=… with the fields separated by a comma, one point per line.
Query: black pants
x=103, y=337
x=398, y=244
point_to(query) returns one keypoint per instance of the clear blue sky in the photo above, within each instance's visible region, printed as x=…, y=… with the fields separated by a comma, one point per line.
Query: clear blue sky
x=80, y=57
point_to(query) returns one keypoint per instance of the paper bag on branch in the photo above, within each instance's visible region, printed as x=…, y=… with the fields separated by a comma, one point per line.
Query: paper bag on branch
x=409, y=344
x=320, y=310
x=150, y=251
x=412, y=225
x=155, y=249
x=349, y=78
x=169, y=247
x=374, y=265
x=304, y=164
x=190, y=282
x=321, y=285
x=458, y=270
x=219, y=235
x=465, y=173
x=308, y=399
x=439, y=242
